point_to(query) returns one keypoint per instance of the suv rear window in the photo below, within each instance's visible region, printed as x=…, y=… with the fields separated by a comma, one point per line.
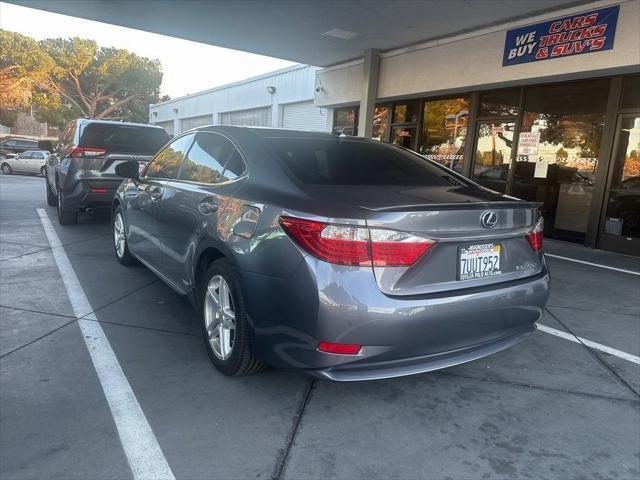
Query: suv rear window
x=123, y=138
x=347, y=162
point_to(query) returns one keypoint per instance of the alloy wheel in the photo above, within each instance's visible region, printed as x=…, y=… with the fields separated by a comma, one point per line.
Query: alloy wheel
x=220, y=319
x=118, y=235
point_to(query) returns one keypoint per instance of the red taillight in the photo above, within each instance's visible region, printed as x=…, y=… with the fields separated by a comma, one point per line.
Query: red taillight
x=535, y=236
x=351, y=245
x=86, y=152
x=339, y=348
x=98, y=190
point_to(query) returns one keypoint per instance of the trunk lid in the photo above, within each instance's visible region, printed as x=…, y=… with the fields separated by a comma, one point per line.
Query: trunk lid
x=452, y=217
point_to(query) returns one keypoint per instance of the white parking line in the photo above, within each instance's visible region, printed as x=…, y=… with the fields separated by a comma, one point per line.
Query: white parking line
x=589, y=343
x=138, y=441
x=632, y=272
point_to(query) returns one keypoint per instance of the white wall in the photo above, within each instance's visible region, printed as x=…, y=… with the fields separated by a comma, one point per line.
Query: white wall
x=293, y=84
x=474, y=61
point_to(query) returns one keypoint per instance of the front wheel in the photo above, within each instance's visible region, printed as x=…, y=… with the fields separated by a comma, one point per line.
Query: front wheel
x=43, y=171
x=120, y=238
x=225, y=323
x=6, y=169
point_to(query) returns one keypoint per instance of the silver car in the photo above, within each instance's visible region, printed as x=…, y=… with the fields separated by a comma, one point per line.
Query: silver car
x=348, y=258
x=30, y=161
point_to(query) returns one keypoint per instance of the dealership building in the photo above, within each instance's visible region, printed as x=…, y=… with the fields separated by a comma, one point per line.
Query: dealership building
x=283, y=99
x=536, y=99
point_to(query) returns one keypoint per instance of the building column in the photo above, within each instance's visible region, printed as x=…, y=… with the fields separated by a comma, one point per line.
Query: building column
x=370, y=70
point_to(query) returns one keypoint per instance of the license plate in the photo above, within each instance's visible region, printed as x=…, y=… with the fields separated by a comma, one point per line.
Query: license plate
x=479, y=261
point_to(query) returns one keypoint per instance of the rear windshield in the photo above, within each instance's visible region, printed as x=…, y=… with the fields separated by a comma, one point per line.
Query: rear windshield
x=348, y=162
x=123, y=138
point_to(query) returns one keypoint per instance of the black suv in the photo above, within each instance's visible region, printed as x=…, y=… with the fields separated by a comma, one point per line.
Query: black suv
x=80, y=173
x=13, y=146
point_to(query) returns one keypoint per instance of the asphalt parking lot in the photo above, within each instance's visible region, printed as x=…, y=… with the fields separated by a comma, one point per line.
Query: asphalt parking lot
x=550, y=407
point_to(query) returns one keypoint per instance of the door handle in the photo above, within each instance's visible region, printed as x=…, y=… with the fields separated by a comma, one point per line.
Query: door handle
x=206, y=208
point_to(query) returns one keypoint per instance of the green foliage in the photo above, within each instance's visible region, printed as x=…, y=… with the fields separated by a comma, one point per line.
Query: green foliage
x=24, y=67
x=69, y=77
x=97, y=82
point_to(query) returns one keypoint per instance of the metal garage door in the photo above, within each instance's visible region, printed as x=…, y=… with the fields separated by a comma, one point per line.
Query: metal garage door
x=168, y=127
x=257, y=117
x=303, y=116
x=193, y=122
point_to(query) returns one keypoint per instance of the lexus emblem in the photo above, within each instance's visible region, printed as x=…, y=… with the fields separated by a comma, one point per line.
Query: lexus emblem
x=489, y=219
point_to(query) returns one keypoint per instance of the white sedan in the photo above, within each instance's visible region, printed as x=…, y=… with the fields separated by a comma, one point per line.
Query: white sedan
x=31, y=161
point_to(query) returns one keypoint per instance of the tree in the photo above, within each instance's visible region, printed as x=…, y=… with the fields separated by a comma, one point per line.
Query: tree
x=97, y=82
x=24, y=68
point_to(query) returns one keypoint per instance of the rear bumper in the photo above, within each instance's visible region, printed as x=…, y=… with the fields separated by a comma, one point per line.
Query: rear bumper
x=94, y=193
x=400, y=336
x=427, y=363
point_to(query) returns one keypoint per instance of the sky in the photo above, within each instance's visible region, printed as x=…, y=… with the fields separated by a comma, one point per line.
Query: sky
x=182, y=76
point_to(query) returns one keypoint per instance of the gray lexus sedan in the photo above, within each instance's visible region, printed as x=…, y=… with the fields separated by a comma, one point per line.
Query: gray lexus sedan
x=348, y=258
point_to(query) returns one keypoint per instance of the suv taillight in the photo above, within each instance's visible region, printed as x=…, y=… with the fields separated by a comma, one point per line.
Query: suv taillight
x=351, y=245
x=535, y=236
x=86, y=152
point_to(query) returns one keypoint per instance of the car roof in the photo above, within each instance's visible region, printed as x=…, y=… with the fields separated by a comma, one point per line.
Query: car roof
x=88, y=121
x=36, y=150
x=270, y=132
x=21, y=138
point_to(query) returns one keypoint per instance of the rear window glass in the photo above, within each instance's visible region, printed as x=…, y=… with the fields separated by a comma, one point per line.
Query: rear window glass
x=123, y=138
x=347, y=162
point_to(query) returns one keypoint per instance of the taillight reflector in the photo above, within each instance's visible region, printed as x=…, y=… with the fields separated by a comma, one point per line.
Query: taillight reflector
x=351, y=245
x=535, y=236
x=99, y=190
x=339, y=348
x=86, y=152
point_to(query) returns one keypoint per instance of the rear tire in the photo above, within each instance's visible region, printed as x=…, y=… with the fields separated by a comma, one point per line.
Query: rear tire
x=6, y=169
x=221, y=281
x=43, y=171
x=120, y=245
x=66, y=216
x=52, y=201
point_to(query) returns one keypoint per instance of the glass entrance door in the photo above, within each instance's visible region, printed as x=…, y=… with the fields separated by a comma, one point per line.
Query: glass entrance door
x=620, y=226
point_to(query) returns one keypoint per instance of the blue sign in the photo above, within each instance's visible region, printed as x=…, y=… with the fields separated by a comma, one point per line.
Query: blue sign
x=563, y=37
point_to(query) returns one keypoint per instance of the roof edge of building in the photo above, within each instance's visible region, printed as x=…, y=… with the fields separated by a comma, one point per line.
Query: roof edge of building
x=262, y=76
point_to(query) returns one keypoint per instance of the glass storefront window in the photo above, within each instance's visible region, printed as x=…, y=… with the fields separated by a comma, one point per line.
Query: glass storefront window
x=406, y=112
x=559, y=150
x=345, y=121
x=404, y=136
x=444, y=130
x=623, y=206
x=380, y=122
x=493, y=154
x=499, y=104
x=631, y=92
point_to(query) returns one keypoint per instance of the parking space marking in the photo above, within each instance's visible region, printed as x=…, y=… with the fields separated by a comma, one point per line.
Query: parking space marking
x=632, y=272
x=140, y=445
x=596, y=346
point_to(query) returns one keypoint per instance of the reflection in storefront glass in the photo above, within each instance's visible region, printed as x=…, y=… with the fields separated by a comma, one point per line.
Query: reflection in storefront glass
x=406, y=112
x=346, y=121
x=493, y=154
x=558, y=151
x=623, y=207
x=444, y=129
x=499, y=104
x=380, y=122
x=404, y=136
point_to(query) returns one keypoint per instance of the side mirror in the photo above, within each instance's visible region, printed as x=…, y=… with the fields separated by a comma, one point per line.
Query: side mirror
x=130, y=169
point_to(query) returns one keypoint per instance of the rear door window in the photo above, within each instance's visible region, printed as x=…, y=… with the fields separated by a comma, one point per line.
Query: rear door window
x=343, y=161
x=205, y=161
x=235, y=166
x=168, y=162
x=133, y=139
